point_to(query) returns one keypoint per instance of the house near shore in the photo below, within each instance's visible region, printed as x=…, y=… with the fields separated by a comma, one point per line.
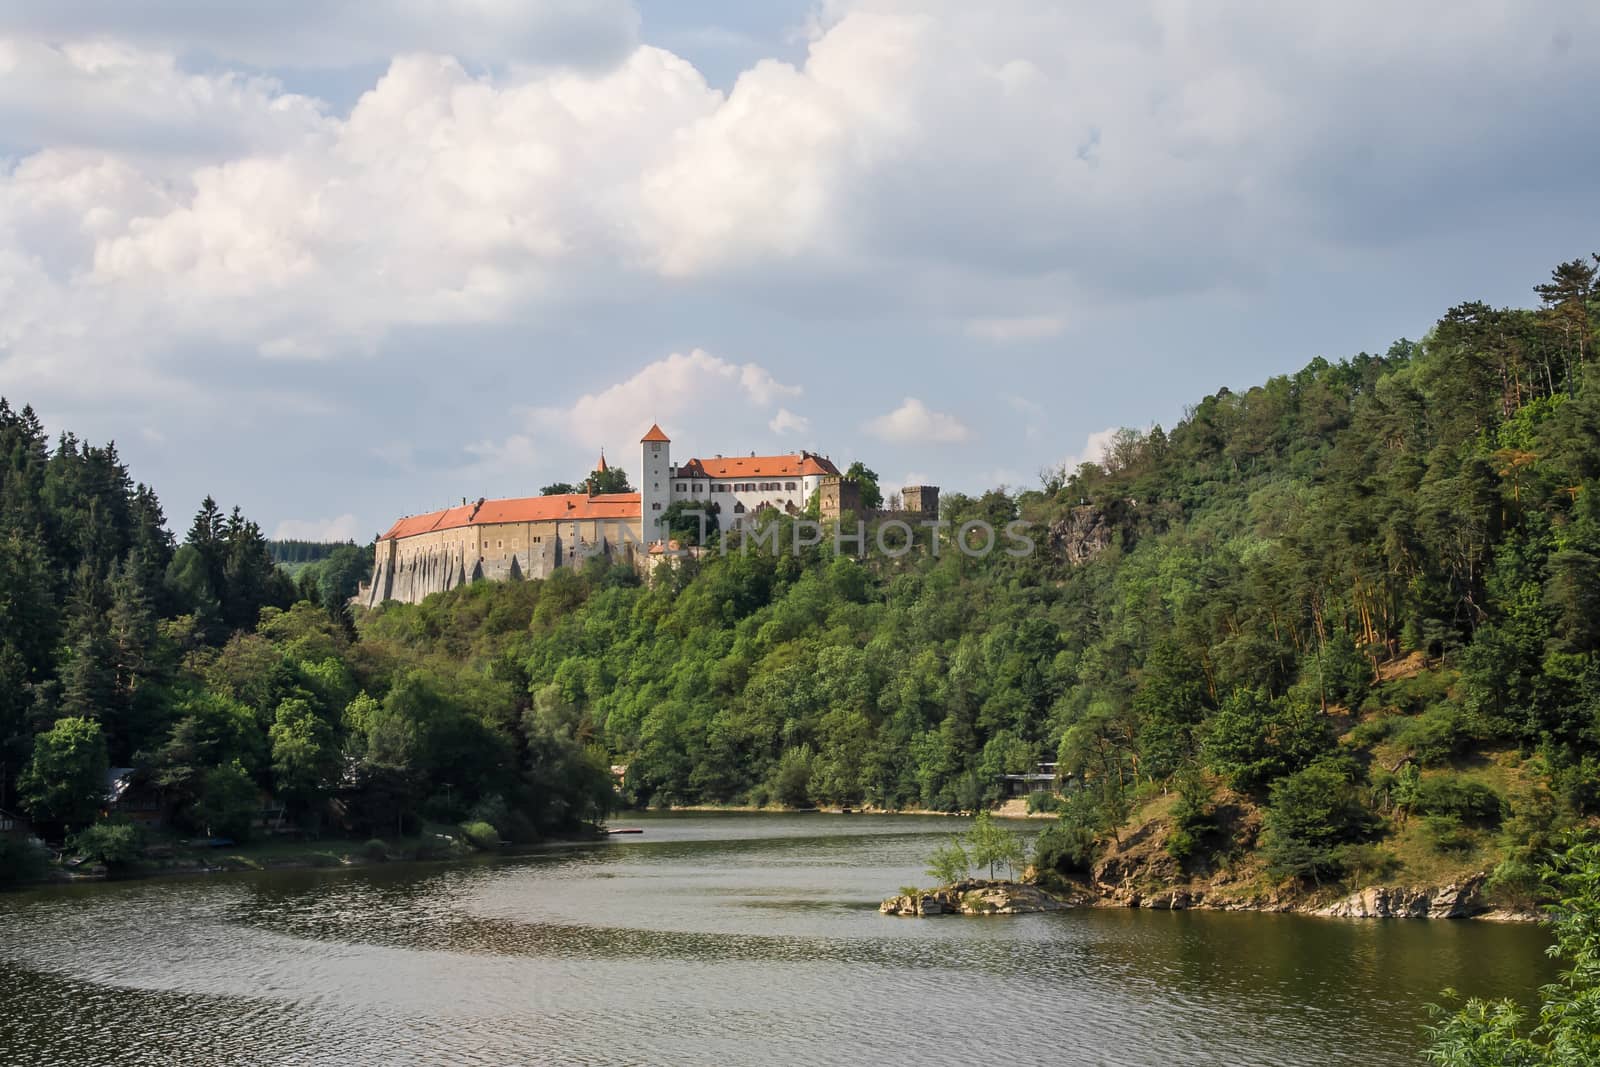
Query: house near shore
x=13, y=825
x=1044, y=778
x=130, y=796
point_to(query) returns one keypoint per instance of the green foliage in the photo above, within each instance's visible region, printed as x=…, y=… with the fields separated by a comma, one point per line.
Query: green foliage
x=693, y=522
x=867, y=480
x=304, y=756
x=1437, y=736
x=65, y=782
x=1492, y=1034
x=1461, y=798
x=1253, y=740
x=118, y=845
x=228, y=804
x=1068, y=845
x=481, y=836
x=1193, y=818
x=991, y=845
x=949, y=862
x=1044, y=803
x=1310, y=814
x=791, y=778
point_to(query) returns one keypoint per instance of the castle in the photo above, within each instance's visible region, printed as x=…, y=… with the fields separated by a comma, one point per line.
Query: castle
x=529, y=537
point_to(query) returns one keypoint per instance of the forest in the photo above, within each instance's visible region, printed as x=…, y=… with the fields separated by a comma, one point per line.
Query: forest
x=1341, y=624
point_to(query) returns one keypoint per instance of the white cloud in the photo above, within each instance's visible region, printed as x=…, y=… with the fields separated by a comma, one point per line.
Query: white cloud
x=108, y=94
x=926, y=154
x=913, y=423
x=787, y=422
x=705, y=404
x=342, y=528
x=1022, y=328
x=670, y=391
x=1093, y=450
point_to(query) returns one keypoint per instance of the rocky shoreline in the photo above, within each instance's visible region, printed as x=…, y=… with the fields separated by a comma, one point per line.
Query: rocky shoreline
x=1456, y=900
x=980, y=897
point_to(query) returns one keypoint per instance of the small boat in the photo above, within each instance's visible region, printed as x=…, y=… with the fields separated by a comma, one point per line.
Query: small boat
x=626, y=830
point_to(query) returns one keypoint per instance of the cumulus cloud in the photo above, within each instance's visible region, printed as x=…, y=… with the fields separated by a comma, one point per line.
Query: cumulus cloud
x=342, y=528
x=113, y=96
x=336, y=33
x=705, y=404
x=924, y=155
x=913, y=423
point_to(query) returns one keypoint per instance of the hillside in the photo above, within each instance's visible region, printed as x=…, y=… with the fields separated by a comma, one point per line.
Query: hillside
x=1338, y=628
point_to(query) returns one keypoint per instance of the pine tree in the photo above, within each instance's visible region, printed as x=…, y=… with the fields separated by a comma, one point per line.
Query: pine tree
x=88, y=669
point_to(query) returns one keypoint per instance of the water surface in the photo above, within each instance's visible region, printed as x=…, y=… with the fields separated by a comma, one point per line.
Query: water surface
x=708, y=939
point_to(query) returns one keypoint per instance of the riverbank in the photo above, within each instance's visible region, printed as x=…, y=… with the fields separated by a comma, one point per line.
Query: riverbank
x=179, y=859
x=981, y=897
x=1011, y=809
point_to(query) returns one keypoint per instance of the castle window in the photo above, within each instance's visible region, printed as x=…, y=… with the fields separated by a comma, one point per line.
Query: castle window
x=719, y=488
x=682, y=486
x=655, y=507
x=789, y=485
x=697, y=487
x=738, y=509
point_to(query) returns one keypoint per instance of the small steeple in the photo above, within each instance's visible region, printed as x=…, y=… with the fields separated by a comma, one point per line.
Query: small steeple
x=602, y=468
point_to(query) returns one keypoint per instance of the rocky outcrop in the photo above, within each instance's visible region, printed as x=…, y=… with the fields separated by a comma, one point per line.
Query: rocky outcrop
x=1457, y=900
x=1081, y=534
x=978, y=898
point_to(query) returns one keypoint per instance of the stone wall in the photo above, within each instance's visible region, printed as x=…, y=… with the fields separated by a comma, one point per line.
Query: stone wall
x=837, y=495
x=408, y=569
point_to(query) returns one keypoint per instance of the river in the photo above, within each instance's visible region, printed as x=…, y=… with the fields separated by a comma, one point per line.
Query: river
x=725, y=939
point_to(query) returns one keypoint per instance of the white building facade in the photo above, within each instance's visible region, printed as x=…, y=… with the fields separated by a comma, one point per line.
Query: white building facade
x=739, y=486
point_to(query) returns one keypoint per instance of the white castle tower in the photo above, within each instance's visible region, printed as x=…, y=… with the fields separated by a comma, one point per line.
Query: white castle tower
x=655, y=482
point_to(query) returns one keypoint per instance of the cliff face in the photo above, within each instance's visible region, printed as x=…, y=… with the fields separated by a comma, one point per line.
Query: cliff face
x=1082, y=533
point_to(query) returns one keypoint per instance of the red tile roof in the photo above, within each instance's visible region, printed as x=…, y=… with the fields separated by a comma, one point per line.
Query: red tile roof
x=800, y=465
x=578, y=506
x=655, y=434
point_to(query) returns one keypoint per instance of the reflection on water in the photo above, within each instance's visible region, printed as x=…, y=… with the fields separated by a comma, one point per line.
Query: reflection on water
x=725, y=939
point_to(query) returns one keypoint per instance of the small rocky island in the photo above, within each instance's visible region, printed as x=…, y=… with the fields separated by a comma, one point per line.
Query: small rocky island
x=977, y=897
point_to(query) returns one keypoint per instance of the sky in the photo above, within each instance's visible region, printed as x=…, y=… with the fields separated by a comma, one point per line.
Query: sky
x=339, y=261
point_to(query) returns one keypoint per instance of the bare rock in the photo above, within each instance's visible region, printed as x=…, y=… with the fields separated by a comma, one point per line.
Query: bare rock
x=1456, y=900
x=1081, y=534
x=978, y=897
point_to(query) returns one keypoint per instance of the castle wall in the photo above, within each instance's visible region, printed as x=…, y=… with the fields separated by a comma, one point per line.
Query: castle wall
x=409, y=569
